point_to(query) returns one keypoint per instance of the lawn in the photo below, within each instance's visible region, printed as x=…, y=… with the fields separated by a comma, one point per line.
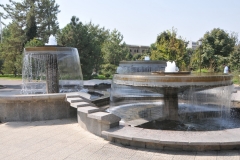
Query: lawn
x=11, y=77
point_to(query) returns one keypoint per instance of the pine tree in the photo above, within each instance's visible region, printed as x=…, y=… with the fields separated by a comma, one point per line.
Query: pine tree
x=40, y=17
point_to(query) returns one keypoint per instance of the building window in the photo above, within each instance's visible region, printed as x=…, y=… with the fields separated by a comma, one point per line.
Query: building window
x=137, y=50
x=143, y=51
x=130, y=50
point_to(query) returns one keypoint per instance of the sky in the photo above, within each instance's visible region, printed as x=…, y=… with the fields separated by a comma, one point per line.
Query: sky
x=141, y=21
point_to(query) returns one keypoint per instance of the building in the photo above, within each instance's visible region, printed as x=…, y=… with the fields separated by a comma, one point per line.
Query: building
x=192, y=45
x=134, y=49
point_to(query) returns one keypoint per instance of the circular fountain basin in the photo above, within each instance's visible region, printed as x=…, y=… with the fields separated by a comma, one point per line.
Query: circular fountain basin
x=157, y=82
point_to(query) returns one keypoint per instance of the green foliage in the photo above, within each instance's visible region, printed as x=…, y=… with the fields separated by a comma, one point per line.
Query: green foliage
x=31, y=29
x=217, y=45
x=169, y=47
x=98, y=37
x=235, y=59
x=37, y=18
x=34, y=43
x=47, y=18
x=114, y=50
x=137, y=56
x=11, y=49
x=88, y=40
x=30, y=19
x=108, y=69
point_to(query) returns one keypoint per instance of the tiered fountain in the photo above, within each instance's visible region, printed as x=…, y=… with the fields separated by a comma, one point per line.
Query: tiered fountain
x=190, y=112
x=178, y=94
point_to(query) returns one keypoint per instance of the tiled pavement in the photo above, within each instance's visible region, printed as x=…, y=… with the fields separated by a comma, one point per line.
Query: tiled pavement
x=64, y=139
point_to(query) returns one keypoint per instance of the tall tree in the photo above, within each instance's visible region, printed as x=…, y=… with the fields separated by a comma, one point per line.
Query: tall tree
x=98, y=37
x=217, y=45
x=235, y=59
x=40, y=17
x=75, y=34
x=28, y=21
x=31, y=29
x=114, y=50
x=169, y=47
x=11, y=49
x=47, y=18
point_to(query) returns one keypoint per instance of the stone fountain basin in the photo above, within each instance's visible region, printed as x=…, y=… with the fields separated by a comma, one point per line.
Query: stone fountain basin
x=157, y=82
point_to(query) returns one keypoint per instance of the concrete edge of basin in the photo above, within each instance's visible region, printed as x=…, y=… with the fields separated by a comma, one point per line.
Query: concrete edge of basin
x=174, y=140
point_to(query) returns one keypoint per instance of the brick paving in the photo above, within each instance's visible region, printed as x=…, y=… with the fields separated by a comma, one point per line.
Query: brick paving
x=65, y=139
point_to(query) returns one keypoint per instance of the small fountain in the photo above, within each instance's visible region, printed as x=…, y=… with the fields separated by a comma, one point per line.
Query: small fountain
x=49, y=73
x=51, y=69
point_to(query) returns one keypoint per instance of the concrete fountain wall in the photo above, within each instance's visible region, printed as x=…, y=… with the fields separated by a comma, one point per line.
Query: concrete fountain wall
x=38, y=107
x=34, y=107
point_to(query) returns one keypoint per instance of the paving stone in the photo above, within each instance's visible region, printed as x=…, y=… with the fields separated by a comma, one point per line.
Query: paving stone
x=64, y=139
x=142, y=156
x=228, y=155
x=209, y=155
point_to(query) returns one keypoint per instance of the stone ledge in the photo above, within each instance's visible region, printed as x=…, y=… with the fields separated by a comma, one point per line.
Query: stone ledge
x=31, y=98
x=182, y=140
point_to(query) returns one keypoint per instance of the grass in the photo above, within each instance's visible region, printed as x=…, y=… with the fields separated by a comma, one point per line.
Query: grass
x=11, y=77
x=102, y=77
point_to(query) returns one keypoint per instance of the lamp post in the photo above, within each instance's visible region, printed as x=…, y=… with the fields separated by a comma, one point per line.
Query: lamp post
x=200, y=50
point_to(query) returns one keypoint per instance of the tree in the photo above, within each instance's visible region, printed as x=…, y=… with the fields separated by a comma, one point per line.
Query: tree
x=98, y=37
x=217, y=45
x=235, y=59
x=169, y=47
x=187, y=57
x=11, y=49
x=35, y=43
x=114, y=50
x=77, y=35
x=31, y=29
x=38, y=18
x=30, y=19
x=47, y=18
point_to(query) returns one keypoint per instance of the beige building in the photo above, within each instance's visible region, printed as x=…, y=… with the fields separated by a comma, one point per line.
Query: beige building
x=134, y=49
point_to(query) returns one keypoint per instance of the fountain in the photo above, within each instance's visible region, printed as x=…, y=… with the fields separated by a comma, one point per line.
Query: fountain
x=187, y=112
x=195, y=91
x=51, y=69
x=49, y=72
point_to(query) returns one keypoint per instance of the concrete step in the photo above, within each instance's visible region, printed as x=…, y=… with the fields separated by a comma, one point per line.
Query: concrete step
x=82, y=104
x=72, y=95
x=74, y=100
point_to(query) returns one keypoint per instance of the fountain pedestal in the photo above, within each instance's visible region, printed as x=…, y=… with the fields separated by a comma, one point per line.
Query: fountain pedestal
x=171, y=103
x=52, y=74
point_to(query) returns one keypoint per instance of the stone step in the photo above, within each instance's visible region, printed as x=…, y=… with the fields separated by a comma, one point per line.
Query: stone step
x=72, y=95
x=88, y=109
x=105, y=117
x=82, y=104
x=74, y=100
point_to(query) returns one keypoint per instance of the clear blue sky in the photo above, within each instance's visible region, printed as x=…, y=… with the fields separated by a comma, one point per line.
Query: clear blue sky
x=140, y=21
